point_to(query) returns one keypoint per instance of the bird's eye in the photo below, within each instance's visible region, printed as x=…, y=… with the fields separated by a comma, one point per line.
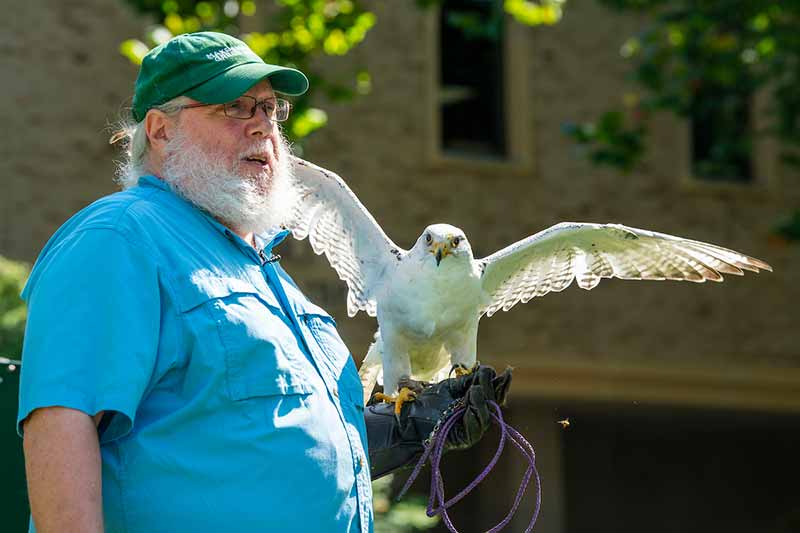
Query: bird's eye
x=428, y=238
x=456, y=241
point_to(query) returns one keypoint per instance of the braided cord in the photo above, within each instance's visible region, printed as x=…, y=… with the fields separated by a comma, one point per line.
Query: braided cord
x=434, y=449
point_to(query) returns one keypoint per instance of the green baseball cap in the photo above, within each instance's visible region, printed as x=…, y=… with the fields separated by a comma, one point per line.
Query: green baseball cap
x=210, y=67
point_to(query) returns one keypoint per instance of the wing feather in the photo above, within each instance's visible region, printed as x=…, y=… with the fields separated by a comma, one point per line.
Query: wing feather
x=550, y=260
x=336, y=224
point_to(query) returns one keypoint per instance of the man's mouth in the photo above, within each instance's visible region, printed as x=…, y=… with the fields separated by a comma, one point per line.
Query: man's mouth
x=257, y=158
x=259, y=163
x=260, y=159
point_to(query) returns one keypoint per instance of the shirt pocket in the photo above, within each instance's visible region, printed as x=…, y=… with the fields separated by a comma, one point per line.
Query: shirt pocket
x=243, y=328
x=337, y=359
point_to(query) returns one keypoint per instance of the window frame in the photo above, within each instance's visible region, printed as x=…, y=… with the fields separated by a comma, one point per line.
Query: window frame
x=520, y=147
x=765, y=160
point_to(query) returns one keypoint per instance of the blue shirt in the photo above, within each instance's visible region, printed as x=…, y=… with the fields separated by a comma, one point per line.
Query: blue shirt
x=236, y=405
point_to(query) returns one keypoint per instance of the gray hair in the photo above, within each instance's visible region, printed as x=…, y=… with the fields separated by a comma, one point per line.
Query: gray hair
x=136, y=145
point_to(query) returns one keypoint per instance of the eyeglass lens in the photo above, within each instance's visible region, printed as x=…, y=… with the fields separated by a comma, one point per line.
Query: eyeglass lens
x=245, y=107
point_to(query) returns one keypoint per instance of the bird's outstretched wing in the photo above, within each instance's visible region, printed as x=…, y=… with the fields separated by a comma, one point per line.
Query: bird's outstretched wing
x=338, y=225
x=551, y=259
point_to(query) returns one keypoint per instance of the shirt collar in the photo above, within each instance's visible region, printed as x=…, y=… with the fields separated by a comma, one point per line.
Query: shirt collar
x=272, y=238
x=264, y=241
x=148, y=180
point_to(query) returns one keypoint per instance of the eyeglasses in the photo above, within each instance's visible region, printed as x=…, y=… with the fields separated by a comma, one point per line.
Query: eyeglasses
x=244, y=107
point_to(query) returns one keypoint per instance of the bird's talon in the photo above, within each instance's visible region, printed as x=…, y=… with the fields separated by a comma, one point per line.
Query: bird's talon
x=404, y=395
x=462, y=370
x=381, y=397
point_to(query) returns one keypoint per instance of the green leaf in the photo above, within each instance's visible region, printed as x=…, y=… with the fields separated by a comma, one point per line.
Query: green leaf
x=544, y=12
x=13, y=312
x=308, y=121
x=134, y=50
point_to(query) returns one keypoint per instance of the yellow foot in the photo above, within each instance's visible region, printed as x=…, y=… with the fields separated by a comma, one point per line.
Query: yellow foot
x=404, y=395
x=462, y=370
x=381, y=397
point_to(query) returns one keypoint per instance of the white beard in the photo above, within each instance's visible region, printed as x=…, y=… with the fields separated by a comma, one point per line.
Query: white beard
x=243, y=203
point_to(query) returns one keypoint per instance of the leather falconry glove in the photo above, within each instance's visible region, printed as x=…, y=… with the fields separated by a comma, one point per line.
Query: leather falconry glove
x=397, y=441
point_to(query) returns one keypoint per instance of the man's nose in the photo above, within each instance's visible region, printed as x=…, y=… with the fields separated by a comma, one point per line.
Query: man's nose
x=261, y=122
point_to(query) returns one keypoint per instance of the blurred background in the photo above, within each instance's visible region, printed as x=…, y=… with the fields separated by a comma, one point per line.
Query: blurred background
x=503, y=118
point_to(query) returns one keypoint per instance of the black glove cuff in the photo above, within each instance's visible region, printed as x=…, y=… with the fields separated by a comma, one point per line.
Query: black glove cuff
x=396, y=441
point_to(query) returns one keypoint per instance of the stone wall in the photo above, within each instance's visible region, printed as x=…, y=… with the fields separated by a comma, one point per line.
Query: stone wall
x=574, y=72
x=633, y=343
x=66, y=82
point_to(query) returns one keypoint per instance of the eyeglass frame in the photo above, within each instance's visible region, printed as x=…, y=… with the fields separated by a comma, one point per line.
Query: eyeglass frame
x=258, y=103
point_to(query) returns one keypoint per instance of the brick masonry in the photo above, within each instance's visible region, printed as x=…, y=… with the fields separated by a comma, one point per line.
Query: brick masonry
x=66, y=81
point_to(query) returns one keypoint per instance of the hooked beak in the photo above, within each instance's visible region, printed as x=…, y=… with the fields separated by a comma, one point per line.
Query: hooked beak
x=440, y=250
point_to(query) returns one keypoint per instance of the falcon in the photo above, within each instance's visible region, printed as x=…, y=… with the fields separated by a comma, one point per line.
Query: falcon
x=428, y=300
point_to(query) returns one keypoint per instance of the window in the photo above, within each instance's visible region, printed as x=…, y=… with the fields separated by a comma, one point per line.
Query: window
x=722, y=135
x=664, y=470
x=471, y=77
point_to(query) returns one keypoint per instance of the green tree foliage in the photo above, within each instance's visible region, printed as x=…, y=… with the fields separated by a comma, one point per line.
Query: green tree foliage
x=14, y=504
x=527, y=12
x=12, y=309
x=407, y=516
x=699, y=59
x=295, y=32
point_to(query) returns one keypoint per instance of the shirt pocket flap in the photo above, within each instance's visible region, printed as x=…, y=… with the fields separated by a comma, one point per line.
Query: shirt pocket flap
x=259, y=349
x=303, y=306
x=204, y=287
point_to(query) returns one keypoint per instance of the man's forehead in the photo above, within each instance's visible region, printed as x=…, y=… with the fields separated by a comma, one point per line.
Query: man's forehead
x=261, y=90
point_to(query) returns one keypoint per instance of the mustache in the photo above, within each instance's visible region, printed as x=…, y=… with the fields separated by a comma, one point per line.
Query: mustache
x=262, y=147
x=275, y=147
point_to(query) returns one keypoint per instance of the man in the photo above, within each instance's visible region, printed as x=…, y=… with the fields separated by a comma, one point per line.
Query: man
x=174, y=377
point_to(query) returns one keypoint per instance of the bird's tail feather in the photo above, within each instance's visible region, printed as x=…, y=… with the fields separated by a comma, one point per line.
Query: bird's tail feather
x=371, y=368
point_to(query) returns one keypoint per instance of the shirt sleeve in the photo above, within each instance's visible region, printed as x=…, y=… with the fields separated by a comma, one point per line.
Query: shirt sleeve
x=91, y=338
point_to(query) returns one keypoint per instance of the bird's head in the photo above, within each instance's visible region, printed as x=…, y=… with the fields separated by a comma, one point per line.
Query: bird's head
x=441, y=241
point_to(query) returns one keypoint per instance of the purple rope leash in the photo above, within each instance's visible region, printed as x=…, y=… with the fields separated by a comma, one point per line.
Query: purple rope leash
x=434, y=451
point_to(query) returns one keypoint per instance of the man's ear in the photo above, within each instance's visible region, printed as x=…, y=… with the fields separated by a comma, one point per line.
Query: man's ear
x=159, y=128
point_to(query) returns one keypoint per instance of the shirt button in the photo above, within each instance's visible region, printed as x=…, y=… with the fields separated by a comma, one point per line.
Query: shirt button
x=360, y=462
x=335, y=391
